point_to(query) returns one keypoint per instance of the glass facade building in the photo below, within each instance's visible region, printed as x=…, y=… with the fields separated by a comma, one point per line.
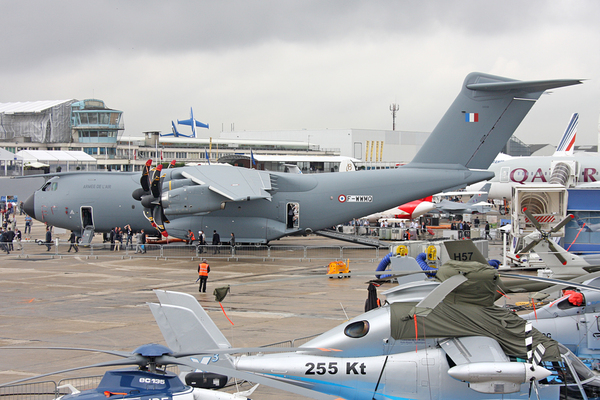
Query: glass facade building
x=93, y=122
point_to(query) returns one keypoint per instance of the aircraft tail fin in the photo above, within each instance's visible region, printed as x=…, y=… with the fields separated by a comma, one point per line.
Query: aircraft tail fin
x=185, y=325
x=464, y=250
x=567, y=141
x=478, y=198
x=482, y=118
x=574, y=265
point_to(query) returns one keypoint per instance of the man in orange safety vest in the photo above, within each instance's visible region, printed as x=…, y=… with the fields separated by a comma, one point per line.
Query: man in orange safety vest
x=203, y=270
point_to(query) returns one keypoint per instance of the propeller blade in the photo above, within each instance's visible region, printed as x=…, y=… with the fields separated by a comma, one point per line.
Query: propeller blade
x=532, y=219
x=172, y=164
x=145, y=179
x=148, y=214
x=528, y=248
x=562, y=223
x=157, y=215
x=164, y=218
x=438, y=294
x=554, y=250
x=155, y=185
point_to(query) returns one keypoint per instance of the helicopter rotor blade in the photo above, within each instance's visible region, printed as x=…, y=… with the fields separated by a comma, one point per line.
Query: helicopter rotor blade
x=562, y=223
x=528, y=248
x=532, y=219
x=554, y=250
x=234, y=350
x=548, y=280
x=123, y=354
x=128, y=361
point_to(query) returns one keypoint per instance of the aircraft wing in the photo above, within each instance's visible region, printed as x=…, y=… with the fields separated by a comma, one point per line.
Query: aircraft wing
x=473, y=349
x=235, y=184
x=189, y=122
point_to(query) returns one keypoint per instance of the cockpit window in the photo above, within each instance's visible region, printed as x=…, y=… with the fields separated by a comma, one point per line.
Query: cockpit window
x=574, y=299
x=50, y=187
x=357, y=329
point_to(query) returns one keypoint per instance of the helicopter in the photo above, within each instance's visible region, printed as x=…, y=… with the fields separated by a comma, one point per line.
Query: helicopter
x=446, y=341
x=150, y=380
x=573, y=320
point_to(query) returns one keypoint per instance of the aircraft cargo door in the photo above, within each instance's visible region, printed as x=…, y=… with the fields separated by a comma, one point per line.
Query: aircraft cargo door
x=87, y=218
x=87, y=225
x=292, y=212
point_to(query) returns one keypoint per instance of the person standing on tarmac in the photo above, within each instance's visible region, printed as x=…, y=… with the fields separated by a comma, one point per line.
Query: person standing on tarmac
x=203, y=270
x=216, y=242
x=232, y=244
x=73, y=243
x=48, y=238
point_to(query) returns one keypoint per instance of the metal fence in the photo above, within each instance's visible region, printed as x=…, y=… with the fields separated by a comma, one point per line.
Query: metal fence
x=49, y=390
x=181, y=250
x=30, y=391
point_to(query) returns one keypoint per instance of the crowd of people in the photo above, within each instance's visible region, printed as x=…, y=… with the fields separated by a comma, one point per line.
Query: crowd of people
x=117, y=235
x=9, y=232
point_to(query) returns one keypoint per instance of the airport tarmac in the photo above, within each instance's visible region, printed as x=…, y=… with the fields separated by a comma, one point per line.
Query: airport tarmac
x=102, y=304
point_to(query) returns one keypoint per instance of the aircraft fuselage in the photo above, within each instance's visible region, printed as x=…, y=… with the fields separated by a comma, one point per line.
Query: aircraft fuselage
x=104, y=200
x=536, y=169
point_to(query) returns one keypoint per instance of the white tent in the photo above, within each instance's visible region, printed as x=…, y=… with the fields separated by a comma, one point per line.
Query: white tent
x=6, y=155
x=66, y=160
x=10, y=161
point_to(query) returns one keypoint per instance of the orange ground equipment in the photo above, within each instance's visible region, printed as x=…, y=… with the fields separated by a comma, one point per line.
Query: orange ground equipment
x=338, y=267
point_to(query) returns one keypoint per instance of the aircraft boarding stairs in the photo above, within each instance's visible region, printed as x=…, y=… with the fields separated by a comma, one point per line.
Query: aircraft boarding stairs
x=358, y=239
x=87, y=236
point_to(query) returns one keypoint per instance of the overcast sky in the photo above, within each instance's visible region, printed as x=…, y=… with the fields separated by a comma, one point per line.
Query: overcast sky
x=284, y=65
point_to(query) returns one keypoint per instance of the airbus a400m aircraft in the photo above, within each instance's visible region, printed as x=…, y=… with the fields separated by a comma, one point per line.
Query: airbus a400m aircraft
x=260, y=206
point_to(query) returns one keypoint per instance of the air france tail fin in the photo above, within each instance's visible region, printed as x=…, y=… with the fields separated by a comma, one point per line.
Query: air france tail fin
x=567, y=142
x=483, y=117
x=582, y=224
x=185, y=325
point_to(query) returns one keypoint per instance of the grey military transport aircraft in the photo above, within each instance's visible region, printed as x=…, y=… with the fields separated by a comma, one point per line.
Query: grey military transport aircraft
x=260, y=206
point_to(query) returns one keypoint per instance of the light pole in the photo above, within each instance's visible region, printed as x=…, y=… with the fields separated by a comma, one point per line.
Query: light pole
x=393, y=108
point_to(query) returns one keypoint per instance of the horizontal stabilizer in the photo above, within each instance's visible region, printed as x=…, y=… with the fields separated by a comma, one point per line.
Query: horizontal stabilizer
x=188, y=122
x=482, y=118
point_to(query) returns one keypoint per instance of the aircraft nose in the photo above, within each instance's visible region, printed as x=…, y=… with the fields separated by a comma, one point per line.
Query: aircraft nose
x=28, y=206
